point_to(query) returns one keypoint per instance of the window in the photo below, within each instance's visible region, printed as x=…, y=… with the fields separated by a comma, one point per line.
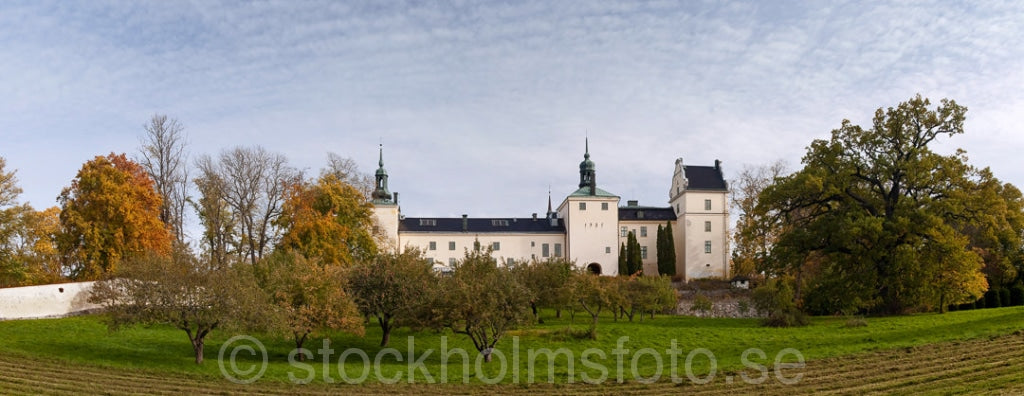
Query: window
x=607, y=249
x=707, y=204
x=499, y=223
x=544, y=251
x=510, y=261
x=495, y=245
x=583, y=206
x=451, y=245
x=558, y=250
x=707, y=226
x=643, y=252
x=604, y=206
x=623, y=232
x=428, y=222
x=639, y=214
x=532, y=243
x=677, y=208
x=430, y=260
x=451, y=261
x=643, y=231
x=707, y=246
x=433, y=245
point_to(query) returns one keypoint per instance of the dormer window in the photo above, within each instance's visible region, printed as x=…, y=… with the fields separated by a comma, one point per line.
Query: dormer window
x=428, y=222
x=499, y=223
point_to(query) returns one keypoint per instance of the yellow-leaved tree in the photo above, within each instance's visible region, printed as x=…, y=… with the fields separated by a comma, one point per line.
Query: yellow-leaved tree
x=109, y=213
x=329, y=220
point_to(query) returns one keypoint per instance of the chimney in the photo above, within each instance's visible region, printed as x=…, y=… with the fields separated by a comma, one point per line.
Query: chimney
x=465, y=223
x=534, y=217
x=718, y=165
x=395, y=197
x=632, y=203
x=554, y=221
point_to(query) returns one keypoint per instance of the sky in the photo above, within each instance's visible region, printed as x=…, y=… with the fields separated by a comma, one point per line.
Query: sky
x=483, y=106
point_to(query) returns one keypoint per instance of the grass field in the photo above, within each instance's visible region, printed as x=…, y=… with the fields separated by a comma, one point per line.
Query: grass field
x=958, y=351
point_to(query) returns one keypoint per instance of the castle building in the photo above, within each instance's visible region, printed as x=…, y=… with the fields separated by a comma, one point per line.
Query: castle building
x=588, y=227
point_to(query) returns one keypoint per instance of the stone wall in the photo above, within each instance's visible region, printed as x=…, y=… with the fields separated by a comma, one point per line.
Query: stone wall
x=724, y=304
x=45, y=301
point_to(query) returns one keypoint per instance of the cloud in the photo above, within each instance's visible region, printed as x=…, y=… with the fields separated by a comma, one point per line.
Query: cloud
x=482, y=105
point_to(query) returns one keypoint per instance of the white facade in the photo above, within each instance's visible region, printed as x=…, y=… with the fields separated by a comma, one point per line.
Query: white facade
x=587, y=228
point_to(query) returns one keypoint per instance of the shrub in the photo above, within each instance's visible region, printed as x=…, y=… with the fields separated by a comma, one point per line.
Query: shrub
x=1004, y=297
x=775, y=299
x=966, y=306
x=743, y=307
x=952, y=307
x=992, y=298
x=980, y=304
x=1017, y=295
x=702, y=304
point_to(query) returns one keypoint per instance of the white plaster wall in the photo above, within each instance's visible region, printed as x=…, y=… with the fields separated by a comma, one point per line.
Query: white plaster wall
x=700, y=264
x=593, y=234
x=650, y=241
x=386, y=217
x=45, y=301
x=517, y=246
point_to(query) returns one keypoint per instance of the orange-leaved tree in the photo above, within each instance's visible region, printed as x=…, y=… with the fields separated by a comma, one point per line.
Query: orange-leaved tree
x=329, y=220
x=109, y=213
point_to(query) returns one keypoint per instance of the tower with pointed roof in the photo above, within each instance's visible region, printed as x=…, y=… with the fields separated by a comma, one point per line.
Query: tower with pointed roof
x=385, y=205
x=591, y=220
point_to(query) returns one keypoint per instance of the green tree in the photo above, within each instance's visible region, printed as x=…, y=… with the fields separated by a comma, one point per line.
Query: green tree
x=634, y=259
x=623, y=268
x=109, y=213
x=666, y=250
x=393, y=287
x=176, y=290
x=548, y=282
x=862, y=216
x=595, y=294
x=307, y=297
x=481, y=300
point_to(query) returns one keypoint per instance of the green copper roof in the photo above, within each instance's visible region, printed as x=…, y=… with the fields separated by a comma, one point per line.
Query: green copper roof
x=585, y=192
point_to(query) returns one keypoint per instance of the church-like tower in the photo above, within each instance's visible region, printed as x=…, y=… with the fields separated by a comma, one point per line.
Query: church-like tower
x=591, y=218
x=385, y=206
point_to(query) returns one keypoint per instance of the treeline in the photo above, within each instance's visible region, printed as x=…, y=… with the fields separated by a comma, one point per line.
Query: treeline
x=876, y=222
x=281, y=252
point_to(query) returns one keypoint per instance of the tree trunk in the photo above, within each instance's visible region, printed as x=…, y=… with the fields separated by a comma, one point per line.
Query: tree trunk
x=558, y=313
x=487, y=355
x=385, y=327
x=593, y=327
x=197, y=347
x=299, y=340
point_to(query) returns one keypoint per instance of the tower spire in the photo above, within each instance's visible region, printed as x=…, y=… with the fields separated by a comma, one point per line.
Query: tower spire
x=380, y=192
x=587, y=173
x=549, y=201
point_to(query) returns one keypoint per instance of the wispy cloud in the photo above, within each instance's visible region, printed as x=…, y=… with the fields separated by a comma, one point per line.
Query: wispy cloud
x=482, y=105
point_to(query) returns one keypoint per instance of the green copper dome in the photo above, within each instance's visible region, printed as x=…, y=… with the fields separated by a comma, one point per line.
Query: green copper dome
x=587, y=164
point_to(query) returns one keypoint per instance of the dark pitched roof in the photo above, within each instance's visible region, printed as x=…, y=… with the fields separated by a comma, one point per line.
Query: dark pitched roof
x=704, y=178
x=646, y=213
x=481, y=225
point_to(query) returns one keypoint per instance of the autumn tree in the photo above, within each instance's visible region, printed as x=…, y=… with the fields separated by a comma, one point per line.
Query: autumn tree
x=178, y=291
x=329, y=219
x=868, y=215
x=220, y=243
x=252, y=182
x=347, y=171
x=392, y=287
x=594, y=293
x=12, y=271
x=109, y=213
x=307, y=297
x=482, y=300
x=164, y=159
x=754, y=236
x=548, y=282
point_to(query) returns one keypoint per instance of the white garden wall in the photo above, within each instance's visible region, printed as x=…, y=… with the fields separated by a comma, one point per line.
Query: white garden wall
x=45, y=301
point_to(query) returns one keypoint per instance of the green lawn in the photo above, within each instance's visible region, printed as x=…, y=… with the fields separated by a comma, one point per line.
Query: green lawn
x=166, y=350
